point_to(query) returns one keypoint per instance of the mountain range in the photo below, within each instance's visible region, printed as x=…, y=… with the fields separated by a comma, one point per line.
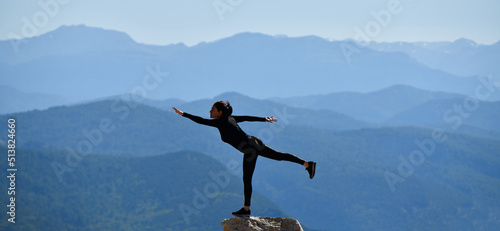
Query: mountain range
x=454, y=186
x=13, y=100
x=405, y=135
x=462, y=57
x=93, y=63
x=407, y=106
x=376, y=106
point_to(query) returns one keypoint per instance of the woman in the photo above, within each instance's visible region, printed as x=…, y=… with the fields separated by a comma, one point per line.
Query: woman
x=250, y=146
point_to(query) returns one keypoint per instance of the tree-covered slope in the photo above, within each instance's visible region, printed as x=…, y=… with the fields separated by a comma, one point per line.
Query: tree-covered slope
x=175, y=191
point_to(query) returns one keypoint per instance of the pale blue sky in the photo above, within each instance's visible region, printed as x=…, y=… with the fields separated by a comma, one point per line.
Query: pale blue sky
x=192, y=21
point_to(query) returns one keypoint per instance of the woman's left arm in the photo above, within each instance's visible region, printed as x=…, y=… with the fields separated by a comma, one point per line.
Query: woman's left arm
x=269, y=119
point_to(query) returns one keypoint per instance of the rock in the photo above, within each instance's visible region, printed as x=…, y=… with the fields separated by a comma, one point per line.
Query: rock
x=261, y=224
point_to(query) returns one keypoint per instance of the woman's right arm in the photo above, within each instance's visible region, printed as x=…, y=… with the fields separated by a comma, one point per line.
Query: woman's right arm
x=197, y=119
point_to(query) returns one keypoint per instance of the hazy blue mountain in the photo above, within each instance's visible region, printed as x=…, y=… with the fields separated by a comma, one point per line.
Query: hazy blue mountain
x=298, y=116
x=451, y=114
x=164, y=192
x=351, y=168
x=13, y=100
x=84, y=63
x=376, y=106
x=451, y=185
x=77, y=40
x=165, y=104
x=462, y=57
x=49, y=128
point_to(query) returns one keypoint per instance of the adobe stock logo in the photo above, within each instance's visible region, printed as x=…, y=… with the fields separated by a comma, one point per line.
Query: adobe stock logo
x=211, y=190
x=224, y=6
x=31, y=26
x=372, y=29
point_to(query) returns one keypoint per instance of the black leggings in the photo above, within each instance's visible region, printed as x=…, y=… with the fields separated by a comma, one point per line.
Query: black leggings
x=253, y=148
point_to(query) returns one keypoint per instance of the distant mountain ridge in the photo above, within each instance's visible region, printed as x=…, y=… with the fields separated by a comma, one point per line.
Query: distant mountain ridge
x=76, y=40
x=298, y=116
x=449, y=113
x=462, y=57
x=376, y=106
x=394, y=106
x=83, y=63
x=84, y=119
x=13, y=100
x=407, y=106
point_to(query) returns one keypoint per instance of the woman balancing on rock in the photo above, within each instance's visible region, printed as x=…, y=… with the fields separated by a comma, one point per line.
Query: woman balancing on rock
x=250, y=146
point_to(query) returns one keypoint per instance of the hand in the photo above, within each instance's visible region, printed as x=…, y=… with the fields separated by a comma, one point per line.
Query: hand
x=270, y=119
x=177, y=111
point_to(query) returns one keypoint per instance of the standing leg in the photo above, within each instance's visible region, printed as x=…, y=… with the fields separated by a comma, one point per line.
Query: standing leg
x=249, y=161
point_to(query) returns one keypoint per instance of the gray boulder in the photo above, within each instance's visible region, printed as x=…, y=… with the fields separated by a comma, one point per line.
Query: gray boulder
x=261, y=224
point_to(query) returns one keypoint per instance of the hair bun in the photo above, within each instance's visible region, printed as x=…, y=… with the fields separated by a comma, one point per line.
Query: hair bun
x=225, y=107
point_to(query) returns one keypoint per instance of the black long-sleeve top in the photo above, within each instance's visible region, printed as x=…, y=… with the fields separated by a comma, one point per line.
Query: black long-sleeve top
x=228, y=127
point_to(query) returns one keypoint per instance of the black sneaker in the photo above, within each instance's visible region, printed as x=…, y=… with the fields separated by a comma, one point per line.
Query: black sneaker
x=242, y=213
x=311, y=169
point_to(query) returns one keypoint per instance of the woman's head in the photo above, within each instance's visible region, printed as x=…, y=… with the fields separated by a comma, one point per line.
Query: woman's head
x=221, y=109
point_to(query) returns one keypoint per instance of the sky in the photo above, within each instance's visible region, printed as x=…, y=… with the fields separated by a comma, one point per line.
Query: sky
x=162, y=22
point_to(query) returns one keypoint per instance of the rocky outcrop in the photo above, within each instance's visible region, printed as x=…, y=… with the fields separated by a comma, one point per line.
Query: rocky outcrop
x=261, y=224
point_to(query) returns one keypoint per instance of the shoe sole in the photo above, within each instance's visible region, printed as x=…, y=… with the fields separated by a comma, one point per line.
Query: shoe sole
x=313, y=170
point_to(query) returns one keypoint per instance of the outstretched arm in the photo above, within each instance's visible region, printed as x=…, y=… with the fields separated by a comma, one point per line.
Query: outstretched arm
x=197, y=119
x=269, y=119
